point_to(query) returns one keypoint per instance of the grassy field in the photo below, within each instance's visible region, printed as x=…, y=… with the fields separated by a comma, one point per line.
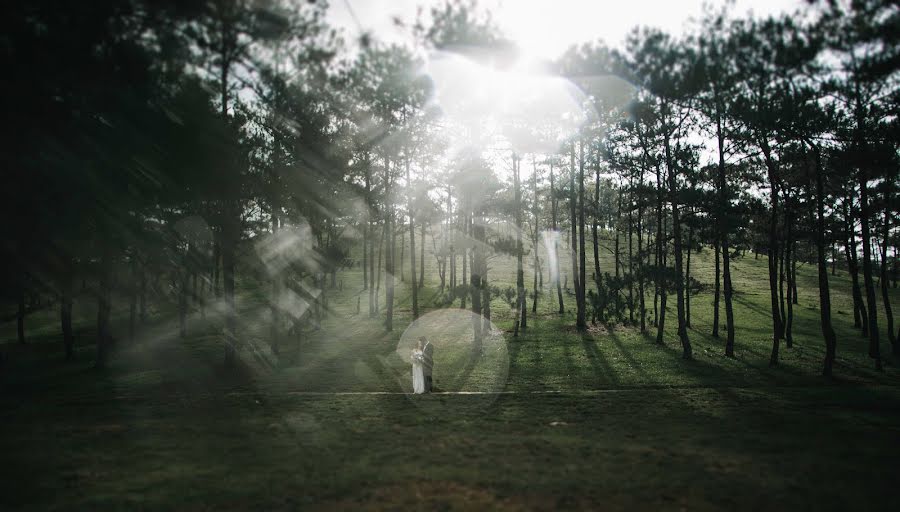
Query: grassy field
x=607, y=420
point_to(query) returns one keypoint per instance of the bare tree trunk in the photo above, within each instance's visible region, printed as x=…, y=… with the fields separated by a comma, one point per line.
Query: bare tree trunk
x=660, y=261
x=859, y=308
x=687, y=352
x=573, y=240
x=687, y=279
x=824, y=293
x=716, y=292
x=777, y=327
x=722, y=232
x=874, y=349
x=534, y=239
x=389, y=252
x=553, y=206
x=582, y=306
x=422, y=227
x=412, y=246
x=521, y=309
x=885, y=296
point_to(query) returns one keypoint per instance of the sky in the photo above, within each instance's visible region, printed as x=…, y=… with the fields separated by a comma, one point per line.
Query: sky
x=544, y=29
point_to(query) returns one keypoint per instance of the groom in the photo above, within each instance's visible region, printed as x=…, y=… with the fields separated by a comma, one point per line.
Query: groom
x=428, y=364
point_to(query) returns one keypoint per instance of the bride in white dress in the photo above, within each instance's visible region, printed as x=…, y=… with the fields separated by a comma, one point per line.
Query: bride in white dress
x=418, y=372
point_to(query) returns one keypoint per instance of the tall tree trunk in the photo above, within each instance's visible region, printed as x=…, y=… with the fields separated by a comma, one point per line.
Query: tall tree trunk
x=630, y=252
x=777, y=328
x=687, y=352
x=661, y=269
x=824, y=293
x=422, y=227
x=640, y=250
x=573, y=240
x=687, y=279
x=389, y=251
x=789, y=256
x=553, y=206
x=885, y=296
x=859, y=308
x=534, y=241
x=595, y=220
x=478, y=265
x=367, y=225
x=722, y=228
x=874, y=348
x=521, y=309
x=412, y=246
x=716, y=292
x=582, y=306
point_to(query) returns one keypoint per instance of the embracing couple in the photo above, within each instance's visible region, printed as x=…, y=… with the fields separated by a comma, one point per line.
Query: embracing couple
x=422, y=366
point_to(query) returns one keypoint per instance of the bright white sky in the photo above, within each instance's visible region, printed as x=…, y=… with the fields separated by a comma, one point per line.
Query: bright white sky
x=544, y=29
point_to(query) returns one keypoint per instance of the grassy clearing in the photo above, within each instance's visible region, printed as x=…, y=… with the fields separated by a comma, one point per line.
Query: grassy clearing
x=603, y=420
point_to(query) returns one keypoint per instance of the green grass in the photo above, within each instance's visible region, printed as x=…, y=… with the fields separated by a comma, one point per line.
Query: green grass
x=603, y=420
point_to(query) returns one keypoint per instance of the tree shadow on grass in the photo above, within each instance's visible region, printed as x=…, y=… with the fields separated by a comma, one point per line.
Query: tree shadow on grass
x=599, y=364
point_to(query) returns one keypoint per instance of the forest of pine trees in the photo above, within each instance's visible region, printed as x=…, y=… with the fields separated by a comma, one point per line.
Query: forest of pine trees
x=156, y=151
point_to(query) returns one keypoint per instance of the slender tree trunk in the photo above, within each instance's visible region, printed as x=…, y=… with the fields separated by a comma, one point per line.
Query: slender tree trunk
x=661, y=269
x=382, y=242
x=573, y=240
x=777, y=327
x=687, y=352
x=824, y=293
x=597, y=276
x=630, y=252
x=580, y=318
x=722, y=228
x=389, y=252
x=412, y=246
x=553, y=206
x=534, y=241
x=789, y=255
x=859, y=308
x=874, y=348
x=687, y=279
x=475, y=286
x=885, y=296
x=422, y=228
x=367, y=226
x=640, y=251
x=521, y=308
x=716, y=292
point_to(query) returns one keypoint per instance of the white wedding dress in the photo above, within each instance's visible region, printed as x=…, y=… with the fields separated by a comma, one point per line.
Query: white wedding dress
x=418, y=372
